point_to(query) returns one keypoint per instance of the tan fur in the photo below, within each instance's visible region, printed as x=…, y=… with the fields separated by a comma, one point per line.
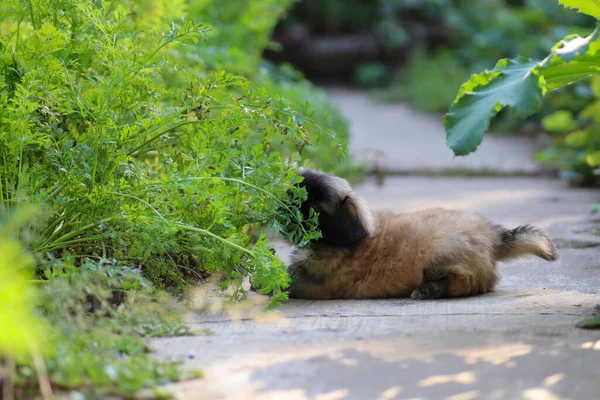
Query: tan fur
x=403, y=248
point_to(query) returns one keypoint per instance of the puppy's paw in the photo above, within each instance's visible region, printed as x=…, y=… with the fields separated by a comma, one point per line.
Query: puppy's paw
x=430, y=290
x=420, y=293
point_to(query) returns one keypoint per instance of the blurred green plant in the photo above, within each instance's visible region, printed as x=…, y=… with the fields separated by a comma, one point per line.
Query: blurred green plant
x=102, y=310
x=371, y=75
x=590, y=323
x=25, y=336
x=577, y=141
x=429, y=83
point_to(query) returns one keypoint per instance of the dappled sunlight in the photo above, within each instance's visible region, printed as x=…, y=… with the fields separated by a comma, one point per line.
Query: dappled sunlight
x=595, y=345
x=496, y=355
x=288, y=395
x=464, y=378
x=539, y=394
x=294, y=394
x=471, y=395
x=543, y=393
x=335, y=395
x=390, y=393
x=208, y=299
x=554, y=379
x=464, y=367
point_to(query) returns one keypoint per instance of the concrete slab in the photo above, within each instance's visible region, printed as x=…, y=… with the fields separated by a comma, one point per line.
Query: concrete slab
x=517, y=343
x=508, y=366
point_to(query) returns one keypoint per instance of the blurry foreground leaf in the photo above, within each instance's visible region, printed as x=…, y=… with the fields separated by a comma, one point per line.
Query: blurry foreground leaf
x=590, y=323
x=22, y=329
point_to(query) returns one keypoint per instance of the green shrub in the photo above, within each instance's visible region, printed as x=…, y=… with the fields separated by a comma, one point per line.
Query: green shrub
x=142, y=145
x=371, y=75
x=156, y=144
x=101, y=311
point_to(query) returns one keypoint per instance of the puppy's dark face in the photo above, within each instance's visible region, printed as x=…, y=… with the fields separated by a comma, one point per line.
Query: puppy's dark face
x=343, y=217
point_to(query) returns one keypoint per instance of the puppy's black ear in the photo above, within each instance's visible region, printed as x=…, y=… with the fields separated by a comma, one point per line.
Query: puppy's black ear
x=343, y=217
x=342, y=227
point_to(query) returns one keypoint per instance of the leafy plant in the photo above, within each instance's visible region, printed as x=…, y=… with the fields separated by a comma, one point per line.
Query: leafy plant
x=577, y=140
x=141, y=146
x=157, y=145
x=520, y=84
x=101, y=311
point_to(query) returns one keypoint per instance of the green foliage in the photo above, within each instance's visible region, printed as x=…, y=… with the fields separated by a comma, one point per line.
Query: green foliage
x=577, y=141
x=371, y=75
x=590, y=323
x=572, y=59
x=89, y=323
x=496, y=29
x=336, y=16
x=429, y=83
x=142, y=145
x=470, y=39
x=157, y=145
x=559, y=121
x=101, y=311
x=511, y=83
x=589, y=7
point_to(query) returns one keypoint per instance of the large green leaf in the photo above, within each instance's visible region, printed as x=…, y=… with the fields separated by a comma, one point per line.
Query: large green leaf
x=589, y=7
x=520, y=84
x=513, y=83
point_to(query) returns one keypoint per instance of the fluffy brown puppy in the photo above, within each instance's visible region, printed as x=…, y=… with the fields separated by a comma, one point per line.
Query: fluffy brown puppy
x=429, y=254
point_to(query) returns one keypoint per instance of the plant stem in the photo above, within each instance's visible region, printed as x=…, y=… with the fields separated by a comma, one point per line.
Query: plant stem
x=212, y=235
x=221, y=178
x=42, y=372
x=32, y=16
x=68, y=243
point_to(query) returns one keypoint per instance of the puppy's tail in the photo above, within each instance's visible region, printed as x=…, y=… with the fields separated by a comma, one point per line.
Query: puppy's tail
x=523, y=241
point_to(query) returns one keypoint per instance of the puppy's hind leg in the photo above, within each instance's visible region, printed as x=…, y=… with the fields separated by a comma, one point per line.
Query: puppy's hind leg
x=434, y=286
x=457, y=280
x=431, y=290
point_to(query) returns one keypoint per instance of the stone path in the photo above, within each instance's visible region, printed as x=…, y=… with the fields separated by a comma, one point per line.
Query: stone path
x=519, y=342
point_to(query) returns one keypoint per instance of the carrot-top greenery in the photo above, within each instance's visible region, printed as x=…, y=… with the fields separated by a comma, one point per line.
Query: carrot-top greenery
x=154, y=144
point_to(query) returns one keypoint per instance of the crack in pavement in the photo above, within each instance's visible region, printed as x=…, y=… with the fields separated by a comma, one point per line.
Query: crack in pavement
x=391, y=316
